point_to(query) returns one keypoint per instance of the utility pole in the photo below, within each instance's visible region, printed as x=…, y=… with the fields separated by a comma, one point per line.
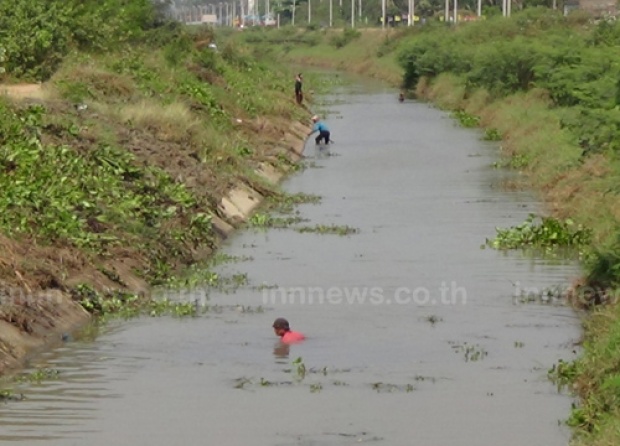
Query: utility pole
x=293, y=18
x=456, y=11
x=411, y=19
x=309, y=11
x=479, y=8
x=331, y=13
x=446, y=16
x=242, y=13
x=383, y=18
x=352, y=13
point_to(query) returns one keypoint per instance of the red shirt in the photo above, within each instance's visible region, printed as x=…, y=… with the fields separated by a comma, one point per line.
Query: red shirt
x=291, y=337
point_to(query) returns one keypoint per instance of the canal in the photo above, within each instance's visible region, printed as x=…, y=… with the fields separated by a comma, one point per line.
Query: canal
x=415, y=334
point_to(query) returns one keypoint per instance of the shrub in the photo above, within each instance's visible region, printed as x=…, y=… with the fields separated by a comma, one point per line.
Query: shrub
x=347, y=36
x=505, y=67
x=38, y=34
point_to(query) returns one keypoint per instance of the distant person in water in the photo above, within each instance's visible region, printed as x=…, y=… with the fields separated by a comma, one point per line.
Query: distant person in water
x=281, y=328
x=401, y=97
x=319, y=126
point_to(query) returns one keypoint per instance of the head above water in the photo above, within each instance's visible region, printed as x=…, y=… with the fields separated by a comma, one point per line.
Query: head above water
x=281, y=327
x=281, y=323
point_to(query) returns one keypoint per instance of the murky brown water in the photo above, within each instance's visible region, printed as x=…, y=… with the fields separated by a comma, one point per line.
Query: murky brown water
x=438, y=353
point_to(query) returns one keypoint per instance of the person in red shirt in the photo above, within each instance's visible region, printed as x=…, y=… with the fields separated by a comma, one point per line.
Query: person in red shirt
x=281, y=328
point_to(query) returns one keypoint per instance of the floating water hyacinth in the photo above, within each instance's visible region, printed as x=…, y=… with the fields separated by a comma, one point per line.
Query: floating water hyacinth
x=547, y=233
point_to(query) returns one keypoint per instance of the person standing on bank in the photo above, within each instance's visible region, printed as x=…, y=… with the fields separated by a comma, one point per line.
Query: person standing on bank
x=299, y=95
x=319, y=126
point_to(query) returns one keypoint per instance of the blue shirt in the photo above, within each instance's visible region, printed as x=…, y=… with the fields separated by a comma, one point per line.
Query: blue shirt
x=319, y=127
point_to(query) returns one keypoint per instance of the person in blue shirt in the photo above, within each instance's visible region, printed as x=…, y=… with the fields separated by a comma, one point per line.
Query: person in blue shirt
x=319, y=126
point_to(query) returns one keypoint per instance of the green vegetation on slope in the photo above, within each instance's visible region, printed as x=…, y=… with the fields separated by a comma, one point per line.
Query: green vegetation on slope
x=112, y=174
x=368, y=51
x=55, y=194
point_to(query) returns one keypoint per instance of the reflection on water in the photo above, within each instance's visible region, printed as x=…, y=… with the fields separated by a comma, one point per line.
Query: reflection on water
x=321, y=151
x=281, y=351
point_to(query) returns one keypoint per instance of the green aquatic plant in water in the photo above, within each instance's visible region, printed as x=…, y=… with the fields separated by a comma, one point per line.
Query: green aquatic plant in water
x=222, y=258
x=263, y=220
x=549, y=232
x=299, y=368
x=466, y=119
x=286, y=204
x=328, y=229
x=127, y=305
x=260, y=220
x=433, y=319
x=471, y=353
x=492, y=134
x=381, y=387
x=316, y=387
x=9, y=395
x=517, y=161
x=38, y=375
x=35, y=377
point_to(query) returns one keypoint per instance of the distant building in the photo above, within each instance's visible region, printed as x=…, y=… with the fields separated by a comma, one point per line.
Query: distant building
x=598, y=8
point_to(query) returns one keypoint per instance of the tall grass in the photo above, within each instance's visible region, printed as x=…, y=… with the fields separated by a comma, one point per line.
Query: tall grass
x=170, y=122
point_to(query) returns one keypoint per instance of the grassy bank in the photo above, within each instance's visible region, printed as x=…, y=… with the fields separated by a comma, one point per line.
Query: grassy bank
x=117, y=170
x=368, y=51
x=128, y=154
x=546, y=88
